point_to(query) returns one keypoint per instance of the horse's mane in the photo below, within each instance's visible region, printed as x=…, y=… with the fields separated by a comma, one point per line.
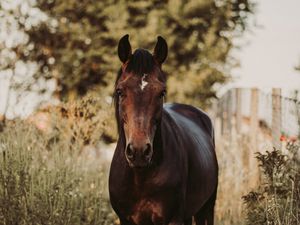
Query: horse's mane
x=141, y=62
x=116, y=103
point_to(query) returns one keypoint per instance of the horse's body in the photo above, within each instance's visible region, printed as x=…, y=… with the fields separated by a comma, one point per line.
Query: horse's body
x=181, y=180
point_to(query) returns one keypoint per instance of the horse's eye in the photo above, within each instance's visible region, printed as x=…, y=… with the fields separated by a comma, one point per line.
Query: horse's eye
x=163, y=94
x=119, y=92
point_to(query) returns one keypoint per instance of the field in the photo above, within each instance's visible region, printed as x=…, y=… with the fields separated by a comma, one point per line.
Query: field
x=57, y=174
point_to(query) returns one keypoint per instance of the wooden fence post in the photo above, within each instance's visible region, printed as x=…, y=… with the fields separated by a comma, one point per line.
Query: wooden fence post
x=276, y=117
x=229, y=114
x=225, y=115
x=254, y=132
x=254, y=119
x=238, y=111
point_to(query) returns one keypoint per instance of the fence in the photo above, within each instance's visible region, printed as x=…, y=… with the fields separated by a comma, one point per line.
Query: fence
x=247, y=121
x=252, y=111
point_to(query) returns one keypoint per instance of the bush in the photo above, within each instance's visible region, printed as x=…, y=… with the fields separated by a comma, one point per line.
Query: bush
x=277, y=199
x=56, y=185
x=82, y=122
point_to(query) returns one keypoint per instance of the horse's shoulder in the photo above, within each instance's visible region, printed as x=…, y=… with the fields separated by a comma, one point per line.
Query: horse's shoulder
x=185, y=109
x=190, y=112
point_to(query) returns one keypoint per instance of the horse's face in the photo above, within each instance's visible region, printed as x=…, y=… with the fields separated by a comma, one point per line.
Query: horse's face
x=140, y=109
x=140, y=90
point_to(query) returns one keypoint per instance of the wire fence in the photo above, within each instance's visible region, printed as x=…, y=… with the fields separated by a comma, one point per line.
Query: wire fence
x=242, y=110
x=248, y=121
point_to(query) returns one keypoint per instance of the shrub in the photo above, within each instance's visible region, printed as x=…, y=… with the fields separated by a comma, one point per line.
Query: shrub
x=85, y=121
x=277, y=199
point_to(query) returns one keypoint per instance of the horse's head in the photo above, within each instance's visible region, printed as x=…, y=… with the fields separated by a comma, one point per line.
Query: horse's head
x=139, y=92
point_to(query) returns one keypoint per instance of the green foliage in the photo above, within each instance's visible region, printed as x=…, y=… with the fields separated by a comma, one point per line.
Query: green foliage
x=77, y=44
x=277, y=200
x=42, y=185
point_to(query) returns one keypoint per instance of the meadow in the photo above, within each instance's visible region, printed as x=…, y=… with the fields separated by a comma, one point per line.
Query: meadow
x=55, y=174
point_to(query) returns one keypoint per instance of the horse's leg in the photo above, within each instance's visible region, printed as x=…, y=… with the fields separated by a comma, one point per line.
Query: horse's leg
x=206, y=215
x=188, y=222
x=125, y=222
x=176, y=223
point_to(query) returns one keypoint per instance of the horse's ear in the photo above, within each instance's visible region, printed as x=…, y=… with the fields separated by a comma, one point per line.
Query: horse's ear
x=160, y=50
x=124, y=49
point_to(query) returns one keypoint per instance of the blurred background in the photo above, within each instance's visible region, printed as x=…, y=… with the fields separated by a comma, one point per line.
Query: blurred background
x=237, y=59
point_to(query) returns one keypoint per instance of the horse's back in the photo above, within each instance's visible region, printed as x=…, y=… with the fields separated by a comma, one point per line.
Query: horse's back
x=196, y=130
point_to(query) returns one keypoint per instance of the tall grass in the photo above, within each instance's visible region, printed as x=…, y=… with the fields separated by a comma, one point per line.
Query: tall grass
x=45, y=178
x=237, y=175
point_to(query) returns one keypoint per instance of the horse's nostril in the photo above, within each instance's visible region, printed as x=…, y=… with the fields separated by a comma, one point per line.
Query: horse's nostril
x=129, y=152
x=147, y=151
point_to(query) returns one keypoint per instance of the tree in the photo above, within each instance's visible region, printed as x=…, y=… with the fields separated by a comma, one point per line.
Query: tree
x=77, y=44
x=18, y=79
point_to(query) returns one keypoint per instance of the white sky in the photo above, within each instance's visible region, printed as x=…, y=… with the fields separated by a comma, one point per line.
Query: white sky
x=274, y=49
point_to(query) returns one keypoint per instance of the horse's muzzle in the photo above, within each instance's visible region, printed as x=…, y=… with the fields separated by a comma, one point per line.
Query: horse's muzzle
x=139, y=156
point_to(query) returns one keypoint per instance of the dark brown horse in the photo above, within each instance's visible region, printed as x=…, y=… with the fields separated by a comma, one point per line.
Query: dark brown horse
x=164, y=169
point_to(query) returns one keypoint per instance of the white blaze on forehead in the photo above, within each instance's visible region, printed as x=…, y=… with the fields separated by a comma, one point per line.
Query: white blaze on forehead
x=144, y=83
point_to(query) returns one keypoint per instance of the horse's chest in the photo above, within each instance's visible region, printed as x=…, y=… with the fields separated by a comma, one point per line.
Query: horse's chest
x=146, y=212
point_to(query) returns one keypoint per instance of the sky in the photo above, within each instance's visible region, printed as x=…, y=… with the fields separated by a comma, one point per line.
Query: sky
x=272, y=49
x=268, y=55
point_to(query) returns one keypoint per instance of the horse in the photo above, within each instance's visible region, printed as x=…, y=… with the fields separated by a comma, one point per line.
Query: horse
x=164, y=169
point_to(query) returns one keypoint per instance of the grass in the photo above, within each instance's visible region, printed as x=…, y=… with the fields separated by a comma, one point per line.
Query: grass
x=45, y=178
x=237, y=172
